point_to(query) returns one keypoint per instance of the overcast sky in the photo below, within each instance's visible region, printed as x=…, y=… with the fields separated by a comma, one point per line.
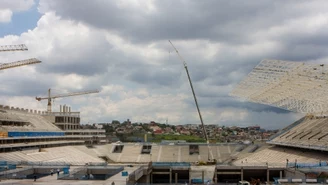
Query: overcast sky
x=121, y=48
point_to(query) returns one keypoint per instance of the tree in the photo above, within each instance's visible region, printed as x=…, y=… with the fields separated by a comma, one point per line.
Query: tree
x=115, y=122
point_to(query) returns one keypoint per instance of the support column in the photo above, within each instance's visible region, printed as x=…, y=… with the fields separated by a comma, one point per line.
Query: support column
x=216, y=177
x=148, y=179
x=268, y=176
x=242, y=173
x=189, y=176
x=170, y=176
x=202, y=176
x=280, y=174
x=151, y=178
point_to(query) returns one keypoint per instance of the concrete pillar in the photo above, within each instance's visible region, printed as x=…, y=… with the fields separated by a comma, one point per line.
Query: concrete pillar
x=176, y=178
x=148, y=179
x=151, y=178
x=280, y=175
x=242, y=173
x=203, y=176
x=268, y=176
x=60, y=108
x=170, y=176
x=216, y=178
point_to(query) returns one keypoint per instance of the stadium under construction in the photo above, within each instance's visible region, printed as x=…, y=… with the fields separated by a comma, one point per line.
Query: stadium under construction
x=50, y=146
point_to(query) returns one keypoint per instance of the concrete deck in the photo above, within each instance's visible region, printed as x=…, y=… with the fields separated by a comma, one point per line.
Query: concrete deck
x=52, y=180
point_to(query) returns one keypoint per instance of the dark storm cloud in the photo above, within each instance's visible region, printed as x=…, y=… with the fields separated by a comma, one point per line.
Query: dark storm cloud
x=224, y=21
x=228, y=21
x=154, y=76
x=25, y=87
x=230, y=102
x=87, y=59
x=247, y=32
x=231, y=23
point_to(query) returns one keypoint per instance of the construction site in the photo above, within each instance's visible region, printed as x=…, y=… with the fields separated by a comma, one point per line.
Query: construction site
x=48, y=147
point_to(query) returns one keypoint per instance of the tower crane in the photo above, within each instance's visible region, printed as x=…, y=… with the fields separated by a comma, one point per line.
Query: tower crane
x=19, y=63
x=19, y=47
x=50, y=97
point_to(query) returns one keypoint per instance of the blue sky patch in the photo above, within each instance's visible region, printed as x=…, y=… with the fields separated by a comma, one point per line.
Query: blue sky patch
x=21, y=22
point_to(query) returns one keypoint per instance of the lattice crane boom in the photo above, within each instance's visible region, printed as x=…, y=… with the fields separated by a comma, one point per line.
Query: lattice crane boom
x=19, y=63
x=19, y=47
x=49, y=98
x=193, y=92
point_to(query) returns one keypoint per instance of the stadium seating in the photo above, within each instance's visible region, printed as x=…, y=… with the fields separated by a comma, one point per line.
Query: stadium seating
x=311, y=133
x=67, y=154
x=279, y=155
x=30, y=122
x=130, y=153
x=170, y=154
x=155, y=152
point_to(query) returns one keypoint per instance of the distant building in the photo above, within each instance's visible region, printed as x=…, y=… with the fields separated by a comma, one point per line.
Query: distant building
x=256, y=128
x=154, y=128
x=158, y=132
x=185, y=132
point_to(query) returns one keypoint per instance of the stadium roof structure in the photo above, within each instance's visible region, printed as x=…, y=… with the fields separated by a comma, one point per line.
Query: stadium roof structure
x=295, y=86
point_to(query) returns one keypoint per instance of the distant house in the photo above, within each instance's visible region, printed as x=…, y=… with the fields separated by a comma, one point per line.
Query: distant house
x=168, y=129
x=158, y=132
x=155, y=127
x=178, y=128
x=99, y=126
x=185, y=132
x=120, y=130
x=257, y=128
x=138, y=128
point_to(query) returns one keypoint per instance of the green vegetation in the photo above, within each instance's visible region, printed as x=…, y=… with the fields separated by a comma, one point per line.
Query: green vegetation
x=135, y=137
x=158, y=138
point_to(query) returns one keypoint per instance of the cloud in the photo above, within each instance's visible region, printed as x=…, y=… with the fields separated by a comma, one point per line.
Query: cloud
x=5, y=15
x=122, y=49
x=8, y=7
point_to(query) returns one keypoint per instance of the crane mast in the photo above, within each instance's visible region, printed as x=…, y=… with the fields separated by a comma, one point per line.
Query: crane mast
x=193, y=92
x=49, y=98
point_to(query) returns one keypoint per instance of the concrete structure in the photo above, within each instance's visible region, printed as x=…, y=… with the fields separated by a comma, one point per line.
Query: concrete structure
x=64, y=119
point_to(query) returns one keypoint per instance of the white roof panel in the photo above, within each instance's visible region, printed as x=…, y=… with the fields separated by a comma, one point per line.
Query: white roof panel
x=295, y=86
